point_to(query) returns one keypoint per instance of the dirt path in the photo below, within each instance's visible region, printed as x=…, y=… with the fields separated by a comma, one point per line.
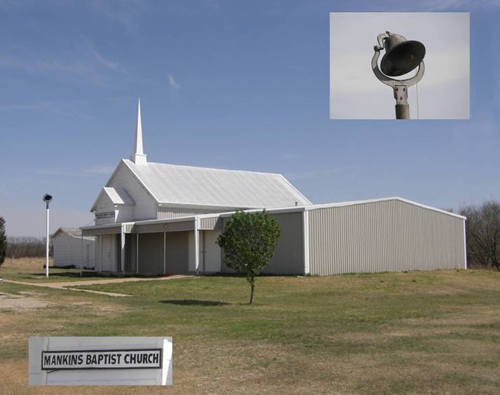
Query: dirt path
x=69, y=285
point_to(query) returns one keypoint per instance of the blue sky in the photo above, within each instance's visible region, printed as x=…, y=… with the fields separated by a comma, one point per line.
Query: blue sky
x=231, y=84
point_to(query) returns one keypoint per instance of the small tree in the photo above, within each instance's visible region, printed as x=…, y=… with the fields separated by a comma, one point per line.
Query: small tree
x=249, y=241
x=483, y=234
x=3, y=242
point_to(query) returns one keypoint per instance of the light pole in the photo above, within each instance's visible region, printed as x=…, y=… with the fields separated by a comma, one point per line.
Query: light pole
x=47, y=198
x=401, y=57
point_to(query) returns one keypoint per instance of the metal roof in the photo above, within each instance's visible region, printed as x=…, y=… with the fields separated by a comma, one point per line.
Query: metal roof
x=118, y=196
x=201, y=186
x=115, y=195
x=73, y=232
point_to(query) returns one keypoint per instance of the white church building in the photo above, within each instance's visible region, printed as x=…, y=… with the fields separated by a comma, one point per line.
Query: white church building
x=157, y=218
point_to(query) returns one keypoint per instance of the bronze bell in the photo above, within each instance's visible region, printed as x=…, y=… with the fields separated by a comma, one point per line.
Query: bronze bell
x=401, y=55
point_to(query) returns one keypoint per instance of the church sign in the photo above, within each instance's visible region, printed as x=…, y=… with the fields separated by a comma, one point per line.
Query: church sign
x=100, y=361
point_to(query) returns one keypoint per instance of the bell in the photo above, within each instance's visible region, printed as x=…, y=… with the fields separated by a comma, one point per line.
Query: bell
x=401, y=56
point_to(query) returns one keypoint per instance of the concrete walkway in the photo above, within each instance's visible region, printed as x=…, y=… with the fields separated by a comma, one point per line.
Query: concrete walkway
x=69, y=285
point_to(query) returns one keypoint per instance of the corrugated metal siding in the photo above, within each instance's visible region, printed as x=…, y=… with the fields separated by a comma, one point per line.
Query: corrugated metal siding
x=177, y=212
x=289, y=255
x=151, y=253
x=383, y=236
x=178, y=252
x=213, y=223
x=151, y=259
x=165, y=227
x=103, y=231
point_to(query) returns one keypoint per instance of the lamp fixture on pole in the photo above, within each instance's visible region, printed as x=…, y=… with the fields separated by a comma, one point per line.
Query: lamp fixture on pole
x=401, y=56
x=47, y=198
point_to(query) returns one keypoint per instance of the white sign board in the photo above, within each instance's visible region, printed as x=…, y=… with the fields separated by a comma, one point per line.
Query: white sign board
x=100, y=360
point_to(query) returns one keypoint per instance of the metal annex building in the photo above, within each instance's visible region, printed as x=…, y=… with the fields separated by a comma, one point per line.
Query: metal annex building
x=154, y=218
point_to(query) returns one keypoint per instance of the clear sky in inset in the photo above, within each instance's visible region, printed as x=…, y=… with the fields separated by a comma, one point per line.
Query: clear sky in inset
x=231, y=84
x=443, y=92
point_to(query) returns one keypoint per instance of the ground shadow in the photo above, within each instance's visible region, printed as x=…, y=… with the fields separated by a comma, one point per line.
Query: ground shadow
x=63, y=274
x=191, y=302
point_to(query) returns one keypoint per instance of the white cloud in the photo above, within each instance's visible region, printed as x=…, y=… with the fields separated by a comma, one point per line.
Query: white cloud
x=56, y=172
x=84, y=62
x=100, y=170
x=75, y=172
x=172, y=82
x=126, y=13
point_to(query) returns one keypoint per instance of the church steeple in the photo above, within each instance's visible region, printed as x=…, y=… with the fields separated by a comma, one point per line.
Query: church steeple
x=139, y=157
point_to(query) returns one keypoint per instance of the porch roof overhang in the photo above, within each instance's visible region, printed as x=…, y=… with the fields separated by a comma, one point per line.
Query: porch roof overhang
x=101, y=230
x=145, y=226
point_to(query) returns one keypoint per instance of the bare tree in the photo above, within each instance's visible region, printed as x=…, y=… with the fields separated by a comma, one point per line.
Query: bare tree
x=3, y=240
x=19, y=247
x=483, y=234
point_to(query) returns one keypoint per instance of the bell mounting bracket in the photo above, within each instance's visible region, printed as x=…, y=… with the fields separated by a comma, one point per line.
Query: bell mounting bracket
x=400, y=87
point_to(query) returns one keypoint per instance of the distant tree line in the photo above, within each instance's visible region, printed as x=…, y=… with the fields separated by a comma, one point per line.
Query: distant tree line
x=3, y=241
x=20, y=247
x=483, y=234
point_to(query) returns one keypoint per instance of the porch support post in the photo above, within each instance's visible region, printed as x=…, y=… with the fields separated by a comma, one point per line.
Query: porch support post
x=197, y=244
x=164, y=252
x=137, y=253
x=122, y=248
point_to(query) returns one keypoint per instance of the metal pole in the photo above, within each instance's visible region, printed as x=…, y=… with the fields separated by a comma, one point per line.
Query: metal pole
x=47, y=242
x=402, y=106
x=402, y=111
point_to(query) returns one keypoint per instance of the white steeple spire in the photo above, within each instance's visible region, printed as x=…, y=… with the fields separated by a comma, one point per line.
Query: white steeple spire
x=139, y=157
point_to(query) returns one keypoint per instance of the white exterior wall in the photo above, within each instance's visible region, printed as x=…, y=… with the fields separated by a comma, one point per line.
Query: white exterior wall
x=107, y=254
x=104, y=205
x=145, y=206
x=124, y=213
x=210, y=252
x=72, y=251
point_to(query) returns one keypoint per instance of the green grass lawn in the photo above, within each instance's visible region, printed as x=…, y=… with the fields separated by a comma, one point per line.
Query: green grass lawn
x=392, y=332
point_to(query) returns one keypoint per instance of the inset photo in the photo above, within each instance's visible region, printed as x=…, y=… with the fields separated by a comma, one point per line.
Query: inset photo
x=399, y=65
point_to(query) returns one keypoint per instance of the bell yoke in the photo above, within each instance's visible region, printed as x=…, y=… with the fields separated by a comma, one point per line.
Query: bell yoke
x=401, y=57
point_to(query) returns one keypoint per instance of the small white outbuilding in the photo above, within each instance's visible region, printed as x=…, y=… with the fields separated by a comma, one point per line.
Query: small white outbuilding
x=73, y=249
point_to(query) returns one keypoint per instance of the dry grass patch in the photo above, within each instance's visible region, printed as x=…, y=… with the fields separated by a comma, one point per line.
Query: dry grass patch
x=21, y=302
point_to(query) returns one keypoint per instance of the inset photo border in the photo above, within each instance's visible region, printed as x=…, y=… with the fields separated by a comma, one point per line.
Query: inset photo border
x=437, y=88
